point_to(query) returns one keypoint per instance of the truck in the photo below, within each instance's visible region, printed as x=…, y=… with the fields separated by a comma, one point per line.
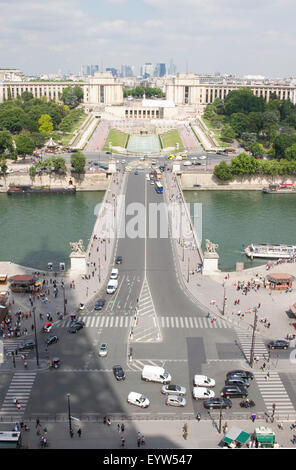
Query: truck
x=156, y=374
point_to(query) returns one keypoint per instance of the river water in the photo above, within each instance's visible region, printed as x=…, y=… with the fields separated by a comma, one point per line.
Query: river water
x=234, y=218
x=36, y=229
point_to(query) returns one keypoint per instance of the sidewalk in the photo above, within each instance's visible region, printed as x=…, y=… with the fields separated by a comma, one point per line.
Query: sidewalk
x=78, y=289
x=159, y=434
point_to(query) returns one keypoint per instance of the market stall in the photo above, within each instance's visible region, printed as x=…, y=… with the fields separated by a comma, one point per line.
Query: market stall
x=236, y=438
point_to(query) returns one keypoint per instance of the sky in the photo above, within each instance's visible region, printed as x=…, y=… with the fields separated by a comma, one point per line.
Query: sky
x=201, y=36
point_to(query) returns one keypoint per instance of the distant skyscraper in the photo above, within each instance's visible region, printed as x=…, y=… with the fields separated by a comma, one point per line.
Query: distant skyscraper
x=147, y=70
x=113, y=71
x=127, y=71
x=160, y=70
x=172, y=70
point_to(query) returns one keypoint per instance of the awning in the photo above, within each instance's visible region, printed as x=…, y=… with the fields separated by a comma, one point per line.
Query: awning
x=265, y=437
x=236, y=434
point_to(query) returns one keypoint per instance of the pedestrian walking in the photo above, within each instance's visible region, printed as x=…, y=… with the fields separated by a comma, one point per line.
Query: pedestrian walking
x=185, y=427
x=122, y=441
x=71, y=433
x=142, y=439
x=122, y=427
x=105, y=420
x=118, y=427
x=198, y=417
x=139, y=442
x=253, y=417
x=37, y=422
x=267, y=376
x=108, y=421
x=79, y=432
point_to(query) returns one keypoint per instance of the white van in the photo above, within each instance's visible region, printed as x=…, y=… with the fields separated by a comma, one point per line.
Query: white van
x=114, y=273
x=156, y=374
x=112, y=286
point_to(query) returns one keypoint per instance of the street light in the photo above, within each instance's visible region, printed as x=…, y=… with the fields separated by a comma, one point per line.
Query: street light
x=65, y=300
x=35, y=333
x=253, y=339
x=220, y=417
x=69, y=414
x=99, y=270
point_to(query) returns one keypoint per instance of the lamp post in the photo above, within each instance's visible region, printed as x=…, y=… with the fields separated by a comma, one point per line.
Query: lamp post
x=220, y=418
x=188, y=271
x=105, y=249
x=35, y=333
x=69, y=413
x=65, y=300
x=99, y=270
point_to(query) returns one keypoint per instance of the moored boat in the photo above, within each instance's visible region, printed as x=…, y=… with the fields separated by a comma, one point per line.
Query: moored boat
x=28, y=189
x=269, y=250
x=280, y=188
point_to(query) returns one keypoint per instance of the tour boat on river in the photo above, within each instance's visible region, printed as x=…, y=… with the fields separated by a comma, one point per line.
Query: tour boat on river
x=28, y=189
x=269, y=250
x=280, y=188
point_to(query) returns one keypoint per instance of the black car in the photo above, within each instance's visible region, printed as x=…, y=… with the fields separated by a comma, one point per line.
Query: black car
x=234, y=391
x=278, y=344
x=51, y=340
x=76, y=327
x=26, y=345
x=99, y=304
x=118, y=260
x=214, y=403
x=236, y=380
x=245, y=374
x=118, y=372
x=136, y=172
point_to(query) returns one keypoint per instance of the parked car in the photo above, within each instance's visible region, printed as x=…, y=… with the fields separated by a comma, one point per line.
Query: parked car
x=278, y=344
x=118, y=260
x=203, y=381
x=51, y=340
x=234, y=391
x=202, y=393
x=99, y=304
x=217, y=403
x=103, y=351
x=241, y=373
x=175, y=400
x=187, y=163
x=118, y=372
x=138, y=399
x=171, y=389
x=235, y=380
x=203, y=157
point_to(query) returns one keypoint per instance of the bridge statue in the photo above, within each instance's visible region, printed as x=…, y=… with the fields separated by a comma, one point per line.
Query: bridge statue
x=77, y=247
x=211, y=247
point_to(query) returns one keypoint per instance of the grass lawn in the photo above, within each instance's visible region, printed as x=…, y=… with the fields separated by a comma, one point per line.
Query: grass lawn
x=68, y=137
x=117, y=138
x=216, y=132
x=170, y=138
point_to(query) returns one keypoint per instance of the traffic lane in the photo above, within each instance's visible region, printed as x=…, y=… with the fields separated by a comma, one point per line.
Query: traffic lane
x=168, y=296
x=6, y=378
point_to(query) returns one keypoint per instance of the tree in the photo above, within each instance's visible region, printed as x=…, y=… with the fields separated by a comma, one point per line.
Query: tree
x=71, y=96
x=239, y=123
x=243, y=164
x=59, y=164
x=227, y=133
x=242, y=101
x=281, y=143
x=78, y=161
x=290, y=152
x=32, y=171
x=255, y=123
x=256, y=149
x=45, y=124
x=3, y=165
x=271, y=121
x=24, y=144
x=223, y=171
x=248, y=138
x=5, y=141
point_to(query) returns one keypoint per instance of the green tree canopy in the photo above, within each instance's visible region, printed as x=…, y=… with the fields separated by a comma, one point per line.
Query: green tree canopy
x=290, y=152
x=239, y=122
x=243, y=164
x=24, y=144
x=78, y=161
x=45, y=123
x=227, y=133
x=71, y=96
x=223, y=171
x=242, y=101
x=5, y=141
x=281, y=143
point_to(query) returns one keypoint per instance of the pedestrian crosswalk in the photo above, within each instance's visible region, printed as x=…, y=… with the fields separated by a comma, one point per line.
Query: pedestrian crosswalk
x=138, y=365
x=245, y=340
x=20, y=388
x=11, y=346
x=273, y=392
x=146, y=326
x=120, y=321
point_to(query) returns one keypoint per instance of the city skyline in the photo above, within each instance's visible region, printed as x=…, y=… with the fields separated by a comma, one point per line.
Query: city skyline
x=201, y=37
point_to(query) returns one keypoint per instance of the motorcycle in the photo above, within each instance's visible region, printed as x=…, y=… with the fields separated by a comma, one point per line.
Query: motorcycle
x=247, y=404
x=55, y=363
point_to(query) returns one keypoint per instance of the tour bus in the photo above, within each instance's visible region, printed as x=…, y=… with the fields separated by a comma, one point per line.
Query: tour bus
x=158, y=187
x=10, y=440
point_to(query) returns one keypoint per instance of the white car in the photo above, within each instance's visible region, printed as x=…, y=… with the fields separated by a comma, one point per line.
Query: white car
x=203, y=157
x=203, y=381
x=103, y=350
x=151, y=181
x=187, y=163
x=202, y=393
x=114, y=273
x=178, y=157
x=193, y=158
x=175, y=400
x=138, y=399
x=123, y=161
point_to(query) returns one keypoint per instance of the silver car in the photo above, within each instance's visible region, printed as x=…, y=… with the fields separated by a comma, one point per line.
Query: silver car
x=103, y=350
x=175, y=400
x=171, y=389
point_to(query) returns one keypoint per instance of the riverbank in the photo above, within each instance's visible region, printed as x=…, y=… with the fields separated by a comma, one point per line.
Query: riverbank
x=201, y=181
x=94, y=181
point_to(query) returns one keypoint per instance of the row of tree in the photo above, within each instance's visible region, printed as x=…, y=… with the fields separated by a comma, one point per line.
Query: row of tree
x=58, y=164
x=251, y=119
x=138, y=92
x=247, y=165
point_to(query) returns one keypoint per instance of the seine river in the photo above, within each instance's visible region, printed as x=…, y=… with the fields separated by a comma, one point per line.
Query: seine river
x=236, y=218
x=36, y=229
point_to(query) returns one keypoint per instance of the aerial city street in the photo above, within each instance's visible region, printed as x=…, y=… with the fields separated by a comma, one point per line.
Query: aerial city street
x=148, y=255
